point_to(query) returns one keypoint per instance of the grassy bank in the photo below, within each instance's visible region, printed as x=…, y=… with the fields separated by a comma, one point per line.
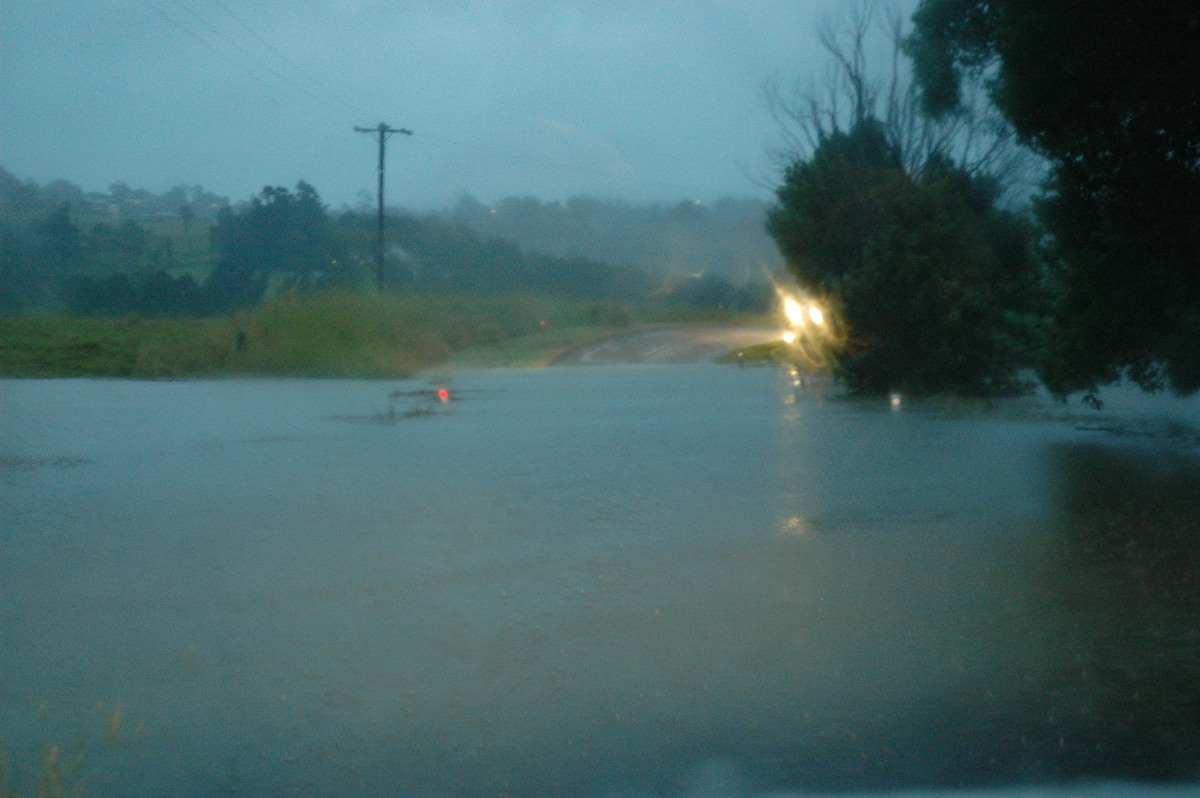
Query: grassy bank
x=334, y=334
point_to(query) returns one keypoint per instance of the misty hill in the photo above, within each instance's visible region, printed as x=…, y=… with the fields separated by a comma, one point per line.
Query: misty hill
x=725, y=239
x=431, y=253
x=20, y=198
x=121, y=252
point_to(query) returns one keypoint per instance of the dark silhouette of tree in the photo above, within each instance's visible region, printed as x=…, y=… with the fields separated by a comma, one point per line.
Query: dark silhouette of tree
x=61, y=242
x=19, y=197
x=929, y=279
x=155, y=294
x=827, y=211
x=20, y=277
x=892, y=216
x=1107, y=93
x=280, y=233
x=40, y=243
x=125, y=247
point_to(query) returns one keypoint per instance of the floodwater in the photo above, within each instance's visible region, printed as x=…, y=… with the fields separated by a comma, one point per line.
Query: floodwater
x=687, y=580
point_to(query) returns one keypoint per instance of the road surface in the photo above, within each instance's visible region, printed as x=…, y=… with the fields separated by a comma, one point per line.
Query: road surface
x=668, y=345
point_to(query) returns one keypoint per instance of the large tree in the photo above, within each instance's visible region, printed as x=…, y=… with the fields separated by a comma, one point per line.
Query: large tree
x=279, y=234
x=892, y=215
x=928, y=278
x=1107, y=92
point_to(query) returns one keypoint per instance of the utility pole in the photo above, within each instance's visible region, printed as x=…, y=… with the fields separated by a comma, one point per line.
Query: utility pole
x=381, y=133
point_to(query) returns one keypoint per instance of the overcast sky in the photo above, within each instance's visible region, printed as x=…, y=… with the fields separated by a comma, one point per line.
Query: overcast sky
x=638, y=100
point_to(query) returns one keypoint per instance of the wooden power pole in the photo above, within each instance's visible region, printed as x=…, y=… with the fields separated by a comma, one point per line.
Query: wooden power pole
x=381, y=133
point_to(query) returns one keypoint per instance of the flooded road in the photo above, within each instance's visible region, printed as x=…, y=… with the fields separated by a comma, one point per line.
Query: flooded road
x=678, y=580
x=684, y=344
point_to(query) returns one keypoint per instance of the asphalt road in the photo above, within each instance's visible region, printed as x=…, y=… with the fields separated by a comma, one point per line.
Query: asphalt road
x=689, y=344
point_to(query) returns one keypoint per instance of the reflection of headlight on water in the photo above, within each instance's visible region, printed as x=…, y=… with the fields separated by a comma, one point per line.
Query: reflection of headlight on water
x=789, y=337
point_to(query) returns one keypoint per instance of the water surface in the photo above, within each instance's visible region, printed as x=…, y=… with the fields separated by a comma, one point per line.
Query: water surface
x=679, y=580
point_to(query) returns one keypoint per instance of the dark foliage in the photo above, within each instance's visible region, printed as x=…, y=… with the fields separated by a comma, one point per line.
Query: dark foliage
x=1106, y=92
x=712, y=291
x=56, y=242
x=828, y=206
x=60, y=241
x=931, y=282
x=156, y=294
x=280, y=233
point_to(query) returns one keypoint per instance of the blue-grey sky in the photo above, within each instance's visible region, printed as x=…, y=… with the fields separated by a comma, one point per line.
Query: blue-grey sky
x=650, y=100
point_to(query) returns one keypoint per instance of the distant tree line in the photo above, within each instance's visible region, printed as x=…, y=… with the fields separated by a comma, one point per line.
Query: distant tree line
x=67, y=254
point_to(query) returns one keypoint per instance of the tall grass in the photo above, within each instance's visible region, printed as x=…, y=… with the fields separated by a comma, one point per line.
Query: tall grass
x=328, y=334
x=64, y=346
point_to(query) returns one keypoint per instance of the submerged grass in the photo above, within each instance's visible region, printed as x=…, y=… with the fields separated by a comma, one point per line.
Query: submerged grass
x=328, y=334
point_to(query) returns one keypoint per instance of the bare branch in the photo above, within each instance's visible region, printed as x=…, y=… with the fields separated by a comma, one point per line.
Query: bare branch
x=868, y=77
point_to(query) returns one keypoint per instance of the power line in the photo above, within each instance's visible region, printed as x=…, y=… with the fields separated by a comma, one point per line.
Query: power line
x=222, y=36
x=193, y=24
x=212, y=34
x=333, y=95
x=193, y=35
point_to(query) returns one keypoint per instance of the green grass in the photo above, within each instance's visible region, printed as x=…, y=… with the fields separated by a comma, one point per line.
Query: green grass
x=329, y=334
x=58, y=346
